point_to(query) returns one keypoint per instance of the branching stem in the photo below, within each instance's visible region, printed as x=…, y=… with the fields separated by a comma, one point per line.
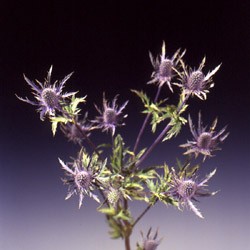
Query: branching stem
x=161, y=135
x=143, y=213
x=146, y=121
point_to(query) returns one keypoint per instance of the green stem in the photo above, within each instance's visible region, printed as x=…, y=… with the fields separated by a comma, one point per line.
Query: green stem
x=128, y=228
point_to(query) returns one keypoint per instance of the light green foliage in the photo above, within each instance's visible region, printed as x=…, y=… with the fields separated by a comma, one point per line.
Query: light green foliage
x=120, y=221
x=118, y=155
x=186, y=170
x=160, y=112
x=72, y=108
x=56, y=120
x=70, y=112
x=158, y=188
x=138, y=247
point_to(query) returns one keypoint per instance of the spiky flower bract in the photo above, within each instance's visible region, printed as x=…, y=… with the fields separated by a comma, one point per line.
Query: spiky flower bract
x=186, y=190
x=195, y=82
x=149, y=242
x=78, y=131
x=111, y=116
x=83, y=176
x=164, y=67
x=205, y=141
x=49, y=97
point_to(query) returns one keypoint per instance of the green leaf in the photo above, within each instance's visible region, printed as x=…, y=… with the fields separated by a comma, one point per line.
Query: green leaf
x=123, y=215
x=144, y=98
x=151, y=185
x=72, y=108
x=108, y=211
x=75, y=102
x=116, y=229
x=133, y=185
x=117, y=154
x=56, y=120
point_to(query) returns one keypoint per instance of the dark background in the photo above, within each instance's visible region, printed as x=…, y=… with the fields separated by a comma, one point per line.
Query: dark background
x=106, y=44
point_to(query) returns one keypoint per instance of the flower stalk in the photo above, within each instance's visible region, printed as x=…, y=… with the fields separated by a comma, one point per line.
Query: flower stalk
x=162, y=134
x=146, y=121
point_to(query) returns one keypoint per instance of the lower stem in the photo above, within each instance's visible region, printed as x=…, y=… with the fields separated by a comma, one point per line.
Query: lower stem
x=128, y=228
x=127, y=243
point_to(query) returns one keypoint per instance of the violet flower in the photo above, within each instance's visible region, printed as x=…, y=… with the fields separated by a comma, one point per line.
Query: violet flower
x=164, y=67
x=205, y=141
x=186, y=190
x=111, y=116
x=195, y=82
x=49, y=97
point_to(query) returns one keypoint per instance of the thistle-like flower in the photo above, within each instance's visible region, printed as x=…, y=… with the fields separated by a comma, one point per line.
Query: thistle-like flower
x=113, y=196
x=186, y=190
x=164, y=67
x=150, y=242
x=83, y=176
x=49, y=97
x=111, y=116
x=78, y=131
x=205, y=141
x=195, y=82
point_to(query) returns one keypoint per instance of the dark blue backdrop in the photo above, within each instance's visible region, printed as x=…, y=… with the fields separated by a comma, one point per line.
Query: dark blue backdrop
x=106, y=44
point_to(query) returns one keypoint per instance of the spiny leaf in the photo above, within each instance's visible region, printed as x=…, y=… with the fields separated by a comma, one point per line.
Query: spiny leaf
x=144, y=98
x=75, y=102
x=123, y=215
x=117, y=154
x=108, y=211
x=56, y=120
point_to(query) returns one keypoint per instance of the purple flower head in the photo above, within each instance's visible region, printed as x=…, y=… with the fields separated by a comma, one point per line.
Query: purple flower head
x=111, y=116
x=164, y=67
x=195, y=82
x=150, y=242
x=82, y=176
x=78, y=131
x=186, y=190
x=49, y=97
x=205, y=141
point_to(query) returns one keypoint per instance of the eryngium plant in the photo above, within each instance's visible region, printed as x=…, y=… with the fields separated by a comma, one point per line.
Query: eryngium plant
x=115, y=177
